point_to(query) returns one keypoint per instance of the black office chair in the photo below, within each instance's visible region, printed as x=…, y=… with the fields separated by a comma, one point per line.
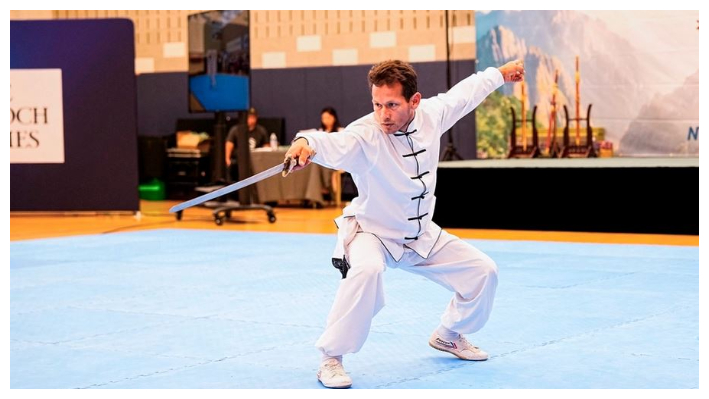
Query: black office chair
x=248, y=196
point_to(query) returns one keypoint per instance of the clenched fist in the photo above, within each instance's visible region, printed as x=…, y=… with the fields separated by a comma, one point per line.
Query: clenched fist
x=513, y=71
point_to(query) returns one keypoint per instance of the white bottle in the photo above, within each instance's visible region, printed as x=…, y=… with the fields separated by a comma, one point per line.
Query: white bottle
x=274, y=142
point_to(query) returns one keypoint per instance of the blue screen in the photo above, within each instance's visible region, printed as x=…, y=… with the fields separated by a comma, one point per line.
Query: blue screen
x=219, y=61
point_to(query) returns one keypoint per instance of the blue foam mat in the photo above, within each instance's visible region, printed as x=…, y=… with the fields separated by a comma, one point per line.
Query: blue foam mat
x=220, y=309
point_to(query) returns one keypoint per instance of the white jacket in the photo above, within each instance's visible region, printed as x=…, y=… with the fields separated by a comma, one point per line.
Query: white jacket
x=395, y=174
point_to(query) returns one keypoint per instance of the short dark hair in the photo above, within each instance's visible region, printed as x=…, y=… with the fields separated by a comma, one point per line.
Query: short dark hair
x=388, y=72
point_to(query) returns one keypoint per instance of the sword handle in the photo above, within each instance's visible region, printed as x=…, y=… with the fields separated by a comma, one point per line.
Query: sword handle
x=288, y=164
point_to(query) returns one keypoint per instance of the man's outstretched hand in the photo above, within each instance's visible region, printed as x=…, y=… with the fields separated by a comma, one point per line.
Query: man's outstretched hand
x=301, y=151
x=513, y=71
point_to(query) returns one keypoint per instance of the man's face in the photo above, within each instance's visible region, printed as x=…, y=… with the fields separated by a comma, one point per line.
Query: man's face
x=391, y=110
x=251, y=121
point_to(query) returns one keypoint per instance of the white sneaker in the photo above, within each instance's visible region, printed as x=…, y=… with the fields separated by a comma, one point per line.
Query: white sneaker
x=332, y=375
x=459, y=347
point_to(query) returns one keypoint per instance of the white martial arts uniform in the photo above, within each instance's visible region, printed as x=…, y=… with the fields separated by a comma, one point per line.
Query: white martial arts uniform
x=389, y=223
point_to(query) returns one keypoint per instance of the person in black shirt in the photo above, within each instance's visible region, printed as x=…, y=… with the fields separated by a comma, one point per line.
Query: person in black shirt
x=258, y=137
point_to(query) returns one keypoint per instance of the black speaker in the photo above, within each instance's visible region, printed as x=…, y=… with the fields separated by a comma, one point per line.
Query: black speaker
x=151, y=158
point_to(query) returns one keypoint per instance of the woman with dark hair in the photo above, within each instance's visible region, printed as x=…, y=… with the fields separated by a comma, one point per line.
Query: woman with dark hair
x=329, y=121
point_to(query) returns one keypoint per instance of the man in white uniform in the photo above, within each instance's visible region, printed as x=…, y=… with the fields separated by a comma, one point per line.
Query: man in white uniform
x=392, y=155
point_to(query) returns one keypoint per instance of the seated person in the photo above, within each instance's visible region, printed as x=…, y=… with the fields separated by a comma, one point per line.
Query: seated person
x=332, y=179
x=258, y=137
x=329, y=121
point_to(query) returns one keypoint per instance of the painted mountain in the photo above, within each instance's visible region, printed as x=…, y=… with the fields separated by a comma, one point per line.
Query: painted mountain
x=677, y=112
x=638, y=69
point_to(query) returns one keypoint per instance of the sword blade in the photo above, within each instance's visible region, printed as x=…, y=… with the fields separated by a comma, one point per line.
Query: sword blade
x=228, y=189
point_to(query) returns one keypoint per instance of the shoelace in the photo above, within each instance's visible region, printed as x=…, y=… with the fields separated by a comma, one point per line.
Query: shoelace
x=336, y=369
x=467, y=344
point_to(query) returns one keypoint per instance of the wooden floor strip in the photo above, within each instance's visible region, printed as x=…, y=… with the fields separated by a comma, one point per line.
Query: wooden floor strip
x=155, y=215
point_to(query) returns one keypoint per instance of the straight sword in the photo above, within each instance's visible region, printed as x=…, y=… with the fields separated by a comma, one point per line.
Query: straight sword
x=285, y=168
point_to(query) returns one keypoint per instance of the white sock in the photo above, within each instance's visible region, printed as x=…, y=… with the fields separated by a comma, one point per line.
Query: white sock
x=325, y=358
x=447, y=334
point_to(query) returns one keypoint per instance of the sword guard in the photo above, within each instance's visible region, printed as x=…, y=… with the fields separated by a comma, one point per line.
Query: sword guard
x=288, y=166
x=342, y=265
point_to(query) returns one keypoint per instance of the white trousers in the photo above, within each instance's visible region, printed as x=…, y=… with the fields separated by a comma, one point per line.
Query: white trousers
x=453, y=263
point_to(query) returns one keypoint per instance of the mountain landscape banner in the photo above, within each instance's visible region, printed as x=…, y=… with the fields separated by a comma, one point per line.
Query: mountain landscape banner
x=638, y=69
